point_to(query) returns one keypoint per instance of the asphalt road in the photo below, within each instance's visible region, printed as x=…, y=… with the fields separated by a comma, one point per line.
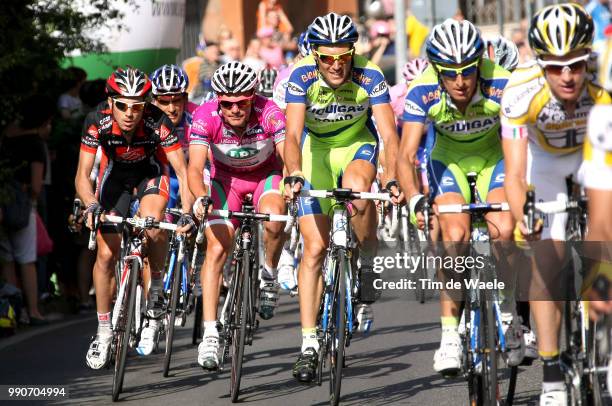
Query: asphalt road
x=392, y=366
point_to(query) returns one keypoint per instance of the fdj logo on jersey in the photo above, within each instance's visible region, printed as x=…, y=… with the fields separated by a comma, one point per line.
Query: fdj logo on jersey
x=241, y=153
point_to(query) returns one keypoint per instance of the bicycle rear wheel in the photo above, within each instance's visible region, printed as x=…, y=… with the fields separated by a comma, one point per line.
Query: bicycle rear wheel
x=174, y=297
x=474, y=379
x=239, y=323
x=599, y=356
x=337, y=327
x=124, y=329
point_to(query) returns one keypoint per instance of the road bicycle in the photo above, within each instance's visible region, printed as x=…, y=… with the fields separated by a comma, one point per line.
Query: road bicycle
x=341, y=284
x=584, y=360
x=239, y=313
x=483, y=337
x=129, y=304
x=179, y=284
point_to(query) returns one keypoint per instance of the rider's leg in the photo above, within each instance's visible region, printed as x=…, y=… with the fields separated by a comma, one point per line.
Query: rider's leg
x=153, y=205
x=501, y=227
x=108, y=250
x=315, y=231
x=270, y=201
x=449, y=187
x=359, y=176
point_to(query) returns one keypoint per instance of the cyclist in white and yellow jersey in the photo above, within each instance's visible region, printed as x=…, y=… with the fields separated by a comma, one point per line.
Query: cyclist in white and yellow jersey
x=596, y=176
x=544, y=116
x=332, y=142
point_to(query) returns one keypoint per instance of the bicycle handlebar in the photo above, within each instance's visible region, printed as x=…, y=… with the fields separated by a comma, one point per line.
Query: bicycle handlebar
x=345, y=194
x=473, y=208
x=138, y=222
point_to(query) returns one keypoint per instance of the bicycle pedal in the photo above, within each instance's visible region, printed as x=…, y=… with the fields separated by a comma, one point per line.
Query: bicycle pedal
x=450, y=373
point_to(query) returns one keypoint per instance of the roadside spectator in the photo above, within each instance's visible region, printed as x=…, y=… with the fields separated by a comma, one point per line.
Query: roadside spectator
x=381, y=42
x=519, y=38
x=417, y=34
x=192, y=66
x=230, y=49
x=271, y=52
x=265, y=6
x=92, y=93
x=23, y=149
x=69, y=103
x=280, y=36
x=600, y=11
x=224, y=34
x=210, y=63
x=251, y=56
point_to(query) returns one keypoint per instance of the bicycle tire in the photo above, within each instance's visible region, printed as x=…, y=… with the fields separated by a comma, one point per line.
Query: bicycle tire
x=197, y=321
x=474, y=380
x=489, y=359
x=174, y=297
x=598, y=358
x=239, y=326
x=123, y=338
x=421, y=271
x=338, y=329
x=511, y=386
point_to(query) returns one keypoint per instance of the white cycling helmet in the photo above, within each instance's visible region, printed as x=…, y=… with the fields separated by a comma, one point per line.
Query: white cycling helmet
x=560, y=29
x=234, y=77
x=169, y=79
x=505, y=52
x=414, y=68
x=454, y=42
x=332, y=29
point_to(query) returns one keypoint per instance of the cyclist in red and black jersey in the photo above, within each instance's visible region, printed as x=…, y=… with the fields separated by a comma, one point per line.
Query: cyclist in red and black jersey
x=129, y=131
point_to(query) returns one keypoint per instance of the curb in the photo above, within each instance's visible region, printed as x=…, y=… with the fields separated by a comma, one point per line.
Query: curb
x=20, y=337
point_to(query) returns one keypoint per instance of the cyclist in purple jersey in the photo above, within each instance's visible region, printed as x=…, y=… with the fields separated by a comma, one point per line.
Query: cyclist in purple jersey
x=244, y=134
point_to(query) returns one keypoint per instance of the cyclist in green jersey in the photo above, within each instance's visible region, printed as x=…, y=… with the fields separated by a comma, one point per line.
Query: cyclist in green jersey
x=460, y=94
x=332, y=142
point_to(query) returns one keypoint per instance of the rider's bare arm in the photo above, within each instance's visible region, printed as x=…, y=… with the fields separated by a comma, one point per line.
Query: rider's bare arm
x=296, y=113
x=198, y=155
x=385, y=123
x=177, y=160
x=406, y=159
x=515, y=183
x=84, y=188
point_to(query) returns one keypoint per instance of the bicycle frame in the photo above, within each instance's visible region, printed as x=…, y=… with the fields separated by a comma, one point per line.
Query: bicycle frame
x=481, y=305
x=335, y=322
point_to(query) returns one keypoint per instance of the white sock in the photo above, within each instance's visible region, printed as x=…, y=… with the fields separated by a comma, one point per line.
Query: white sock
x=309, y=340
x=552, y=386
x=104, y=325
x=210, y=328
x=269, y=273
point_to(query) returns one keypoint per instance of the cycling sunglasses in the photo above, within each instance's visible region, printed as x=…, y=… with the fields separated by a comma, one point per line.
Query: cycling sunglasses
x=557, y=67
x=123, y=106
x=242, y=103
x=452, y=73
x=168, y=100
x=329, y=59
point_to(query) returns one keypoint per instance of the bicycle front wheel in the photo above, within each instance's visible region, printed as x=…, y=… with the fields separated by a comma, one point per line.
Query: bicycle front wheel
x=337, y=327
x=489, y=354
x=174, y=297
x=124, y=328
x=238, y=325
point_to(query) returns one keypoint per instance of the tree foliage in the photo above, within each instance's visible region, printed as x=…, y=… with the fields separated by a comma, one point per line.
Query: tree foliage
x=36, y=37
